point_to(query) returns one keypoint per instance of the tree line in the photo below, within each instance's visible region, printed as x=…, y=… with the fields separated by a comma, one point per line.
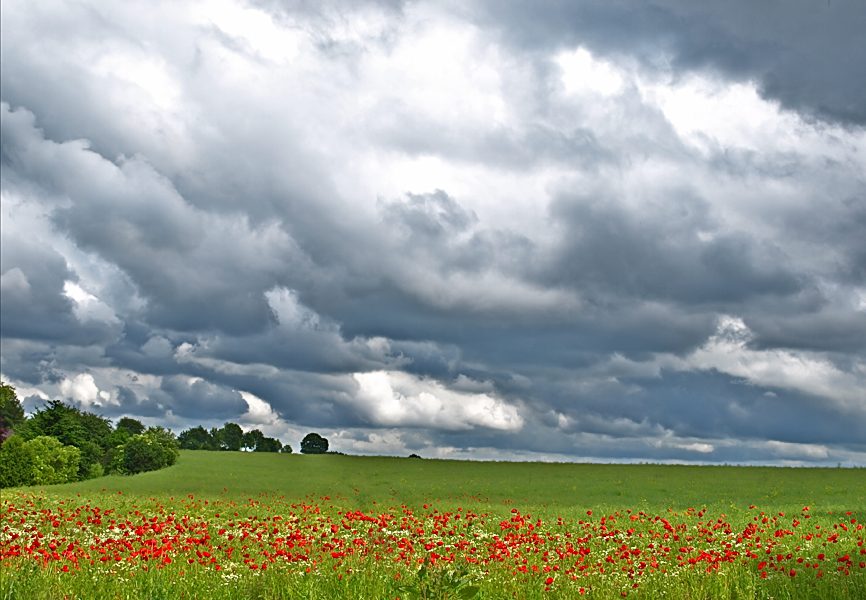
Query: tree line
x=229, y=437
x=232, y=438
x=61, y=443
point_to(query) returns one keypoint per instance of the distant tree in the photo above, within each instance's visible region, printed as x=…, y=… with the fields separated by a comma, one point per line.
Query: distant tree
x=11, y=411
x=256, y=441
x=253, y=439
x=197, y=438
x=313, y=443
x=231, y=436
x=286, y=449
x=216, y=435
x=269, y=444
x=133, y=426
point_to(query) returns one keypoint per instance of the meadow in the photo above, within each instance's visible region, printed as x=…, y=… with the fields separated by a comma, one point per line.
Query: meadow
x=244, y=525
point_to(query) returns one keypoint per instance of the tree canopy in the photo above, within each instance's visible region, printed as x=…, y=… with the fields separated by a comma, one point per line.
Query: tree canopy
x=313, y=443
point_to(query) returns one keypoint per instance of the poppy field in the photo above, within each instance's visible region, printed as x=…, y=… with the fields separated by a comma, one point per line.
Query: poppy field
x=84, y=541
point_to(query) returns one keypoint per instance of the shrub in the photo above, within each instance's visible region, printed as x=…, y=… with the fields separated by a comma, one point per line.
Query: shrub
x=52, y=461
x=16, y=463
x=95, y=470
x=154, y=449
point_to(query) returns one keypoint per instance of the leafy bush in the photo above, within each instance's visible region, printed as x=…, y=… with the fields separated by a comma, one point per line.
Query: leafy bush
x=154, y=449
x=95, y=470
x=53, y=462
x=16, y=463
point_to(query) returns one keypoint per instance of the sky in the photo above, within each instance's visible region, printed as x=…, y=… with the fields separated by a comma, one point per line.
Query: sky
x=601, y=230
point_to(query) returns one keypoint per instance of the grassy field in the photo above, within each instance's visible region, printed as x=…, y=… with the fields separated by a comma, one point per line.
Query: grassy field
x=238, y=525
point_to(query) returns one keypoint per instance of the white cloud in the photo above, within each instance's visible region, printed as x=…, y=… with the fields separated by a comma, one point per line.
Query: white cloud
x=397, y=399
x=87, y=306
x=581, y=72
x=290, y=312
x=82, y=389
x=728, y=351
x=798, y=451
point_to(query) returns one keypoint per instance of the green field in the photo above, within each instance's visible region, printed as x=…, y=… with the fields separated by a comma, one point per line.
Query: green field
x=540, y=511
x=362, y=480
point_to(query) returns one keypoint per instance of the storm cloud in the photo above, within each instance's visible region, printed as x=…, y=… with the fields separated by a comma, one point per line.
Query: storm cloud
x=601, y=230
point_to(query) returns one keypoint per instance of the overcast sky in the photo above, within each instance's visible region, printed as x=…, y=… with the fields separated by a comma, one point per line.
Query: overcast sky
x=600, y=230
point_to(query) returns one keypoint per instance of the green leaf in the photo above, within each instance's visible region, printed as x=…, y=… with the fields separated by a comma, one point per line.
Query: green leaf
x=468, y=592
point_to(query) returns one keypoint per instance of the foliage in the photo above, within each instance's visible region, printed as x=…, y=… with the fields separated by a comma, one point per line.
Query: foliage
x=11, y=411
x=231, y=437
x=53, y=462
x=198, y=438
x=256, y=441
x=154, y=449
x=313, y=443
x=133, y=426
x=88, y=432
x=286, y=449
x=80, y=439
x=118, y=437
x=440, y=583
x=16, y=463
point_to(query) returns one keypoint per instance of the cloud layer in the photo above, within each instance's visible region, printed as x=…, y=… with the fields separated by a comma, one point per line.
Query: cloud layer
x=530, y=230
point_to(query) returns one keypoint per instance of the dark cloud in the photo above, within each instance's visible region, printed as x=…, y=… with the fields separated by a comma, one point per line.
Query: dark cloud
x=804, y=55
x=657, y=254
x=199, y=399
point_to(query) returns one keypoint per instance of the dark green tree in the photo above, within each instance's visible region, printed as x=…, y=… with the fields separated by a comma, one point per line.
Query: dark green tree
x=197, y=438
x=231, y=437
x=252, y=439
x=133, y=426
x=286, y=449
x=269, y=444
x=313, y=443
x=256, y=441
